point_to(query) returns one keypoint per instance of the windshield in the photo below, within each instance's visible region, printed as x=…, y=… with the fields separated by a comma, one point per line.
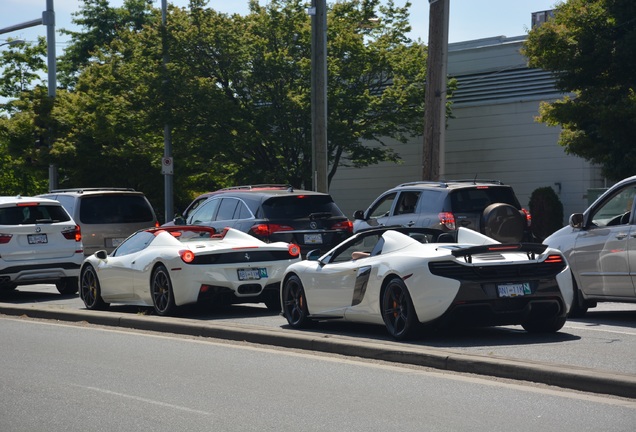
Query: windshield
x=300, y=207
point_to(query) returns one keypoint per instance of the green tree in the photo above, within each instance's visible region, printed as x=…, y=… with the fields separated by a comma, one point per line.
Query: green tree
x=590, y=45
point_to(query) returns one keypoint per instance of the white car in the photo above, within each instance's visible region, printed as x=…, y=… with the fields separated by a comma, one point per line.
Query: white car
x=168, y=267
x=404, y=278
x=600, y=246
x=39, y=243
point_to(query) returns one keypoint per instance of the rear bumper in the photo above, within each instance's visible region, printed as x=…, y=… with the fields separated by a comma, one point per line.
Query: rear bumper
x=39, y=273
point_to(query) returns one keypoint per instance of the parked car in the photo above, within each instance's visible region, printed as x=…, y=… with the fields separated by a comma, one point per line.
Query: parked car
x=405, y=278
x=173, y=266
x=106, y=215
x=600, y=246
x=486, y=206
x=39, y=243
x=272, y=213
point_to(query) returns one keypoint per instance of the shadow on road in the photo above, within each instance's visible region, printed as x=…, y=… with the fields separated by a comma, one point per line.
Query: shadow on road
x=22, y=295
x=618, y=318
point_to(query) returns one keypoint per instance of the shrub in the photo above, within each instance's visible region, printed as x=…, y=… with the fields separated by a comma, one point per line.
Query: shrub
x=547, y=212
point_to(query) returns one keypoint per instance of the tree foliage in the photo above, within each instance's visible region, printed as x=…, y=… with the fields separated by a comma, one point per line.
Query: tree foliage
x=234, y=92
x=590, y=45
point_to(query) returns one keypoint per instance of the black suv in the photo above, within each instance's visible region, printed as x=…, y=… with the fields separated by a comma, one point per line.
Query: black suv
x=487, y=206
x=272, y=213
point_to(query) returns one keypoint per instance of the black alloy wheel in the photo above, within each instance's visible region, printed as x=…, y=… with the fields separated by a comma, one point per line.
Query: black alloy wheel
x=90, y=290
x=398, y=311
x=161, y=292
x=295, y=303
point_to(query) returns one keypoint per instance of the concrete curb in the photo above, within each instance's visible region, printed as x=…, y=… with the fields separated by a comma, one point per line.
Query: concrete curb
x=572, y=377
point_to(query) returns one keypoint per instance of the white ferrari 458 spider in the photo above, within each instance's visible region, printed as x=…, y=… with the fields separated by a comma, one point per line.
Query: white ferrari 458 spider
x=407, y=277
x=172, y=266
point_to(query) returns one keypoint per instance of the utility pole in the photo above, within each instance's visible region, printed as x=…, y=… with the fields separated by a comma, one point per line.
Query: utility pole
x=319, y=160
x=167, y=165
x=435, y=100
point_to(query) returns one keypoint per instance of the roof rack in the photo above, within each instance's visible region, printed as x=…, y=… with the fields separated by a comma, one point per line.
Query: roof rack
x=288, y=187
x=476, y=180
x=82, y=190
x=430, y=182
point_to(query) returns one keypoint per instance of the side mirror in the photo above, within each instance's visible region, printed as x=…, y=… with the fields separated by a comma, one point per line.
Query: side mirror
x=179, y=220
x=577, y=220
x=101, y=254
x=358, y=214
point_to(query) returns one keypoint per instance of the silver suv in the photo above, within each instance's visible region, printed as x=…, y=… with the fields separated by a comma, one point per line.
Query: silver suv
x=39, y=243
x=107, y=216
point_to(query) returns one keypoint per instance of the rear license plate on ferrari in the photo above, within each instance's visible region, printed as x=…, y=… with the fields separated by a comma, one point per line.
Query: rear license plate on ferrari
x=313, y=238
x=513, y=289
x=251, y=274
x=37, y=238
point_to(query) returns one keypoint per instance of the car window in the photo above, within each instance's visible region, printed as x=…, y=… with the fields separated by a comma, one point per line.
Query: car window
x=31, y=214
x=383, y=207
x=226, y=209
x=242, y=212
x=194, y=205
x=135, y=243
x=475, y=200
x=365, y=243
x=109, y=209
x=299, y=206
x=204, y=213
x=616, y=210
x=407, y=202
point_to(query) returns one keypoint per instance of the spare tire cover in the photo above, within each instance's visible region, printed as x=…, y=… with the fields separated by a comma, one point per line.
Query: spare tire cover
x=503, y=223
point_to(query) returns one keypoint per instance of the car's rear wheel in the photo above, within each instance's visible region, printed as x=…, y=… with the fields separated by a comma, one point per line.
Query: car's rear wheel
x=161, y=291
x=272, y=301
x=398, y=311
x=503, y=223
x=8, y=286
x=537, y=325
x=67, y=285
x=90, y=290
x=295, y=303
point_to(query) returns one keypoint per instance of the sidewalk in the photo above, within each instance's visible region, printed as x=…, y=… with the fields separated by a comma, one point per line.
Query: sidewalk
x=566, y=376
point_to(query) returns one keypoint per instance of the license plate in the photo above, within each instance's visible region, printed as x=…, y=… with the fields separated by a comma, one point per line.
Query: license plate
x=116, y=241
x=37, y=238
x=251, y=274
x=313, y=238
x=514, y=289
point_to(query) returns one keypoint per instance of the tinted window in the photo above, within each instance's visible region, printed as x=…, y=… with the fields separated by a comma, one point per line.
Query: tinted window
x=475, y=200
x=299, y=206
x=226, y=209
x=242, y=212
x=135, y=243
x=109, y=209
x=383, y=207
x=32, y=214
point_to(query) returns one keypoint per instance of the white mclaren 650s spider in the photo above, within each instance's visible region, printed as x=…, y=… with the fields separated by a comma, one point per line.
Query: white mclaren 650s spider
x=168, y=267
x=413, y=278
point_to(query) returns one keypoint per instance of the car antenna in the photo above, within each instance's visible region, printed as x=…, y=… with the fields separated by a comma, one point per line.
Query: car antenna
x=475, y=179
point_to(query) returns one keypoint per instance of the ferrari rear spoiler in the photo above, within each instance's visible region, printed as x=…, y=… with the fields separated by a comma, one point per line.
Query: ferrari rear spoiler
x=530, y=248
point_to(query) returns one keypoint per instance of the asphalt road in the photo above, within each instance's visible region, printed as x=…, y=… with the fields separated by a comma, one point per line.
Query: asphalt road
x=68, y=377
x=592, y=354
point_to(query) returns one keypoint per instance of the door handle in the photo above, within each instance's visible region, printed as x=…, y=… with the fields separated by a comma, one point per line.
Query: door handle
x=621, y=236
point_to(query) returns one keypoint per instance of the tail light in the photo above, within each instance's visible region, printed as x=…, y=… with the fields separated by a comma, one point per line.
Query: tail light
x=157, y=224
x=346, y=225
x=187, y=256
x=294, y=250
x=554, y=259
x=5, y=238
x=265, y=230
x=73, y=234
x=528, y=216
x=447, y=219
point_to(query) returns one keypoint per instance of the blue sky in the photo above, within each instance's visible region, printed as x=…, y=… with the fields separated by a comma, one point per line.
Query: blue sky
x=469, y=19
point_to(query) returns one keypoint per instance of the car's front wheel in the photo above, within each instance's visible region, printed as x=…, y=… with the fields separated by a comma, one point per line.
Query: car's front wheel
x=67, y=285
x=398, y=311
x=161, y=292
x=295, y=303
x=90, y=290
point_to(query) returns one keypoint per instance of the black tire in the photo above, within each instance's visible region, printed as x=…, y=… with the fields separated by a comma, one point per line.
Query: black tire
x=544, y=325
x=8, y=286
x=67, y=285
x=398, y=311
x=503, y=223
x=295, y=303
x=161, y=292
x=272, y=301
x=578, y=307
x=90, y=290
